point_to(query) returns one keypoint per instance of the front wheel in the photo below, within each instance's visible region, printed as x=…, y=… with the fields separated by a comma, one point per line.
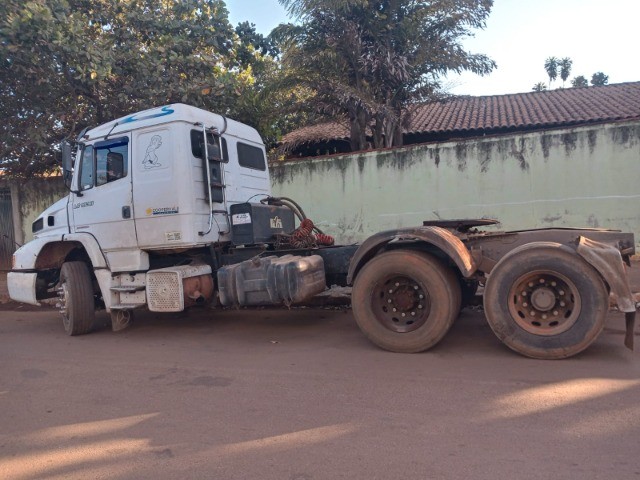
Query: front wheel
x=545, y=302
x=76, y=298
x=405, y=301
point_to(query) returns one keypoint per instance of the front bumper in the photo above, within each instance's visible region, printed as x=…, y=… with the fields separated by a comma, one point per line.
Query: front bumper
x=22, y=287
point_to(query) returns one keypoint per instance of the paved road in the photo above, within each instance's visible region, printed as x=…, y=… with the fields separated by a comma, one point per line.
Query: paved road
x=301, y=394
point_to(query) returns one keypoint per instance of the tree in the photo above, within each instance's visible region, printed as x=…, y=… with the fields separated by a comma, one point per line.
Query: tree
x=539, y=87
x=369, y=60
x=253, y=43
x=66, y=64
x=565, y=69
x=579, y=82
x=599, y=79
x=551, y=66
x=267, y=104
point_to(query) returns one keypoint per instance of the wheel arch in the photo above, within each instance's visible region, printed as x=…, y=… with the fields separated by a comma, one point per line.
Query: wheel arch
x=53, y=254
x=434, y=239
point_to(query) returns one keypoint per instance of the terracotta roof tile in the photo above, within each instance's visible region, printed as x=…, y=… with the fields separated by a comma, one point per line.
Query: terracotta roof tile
x=552, y=108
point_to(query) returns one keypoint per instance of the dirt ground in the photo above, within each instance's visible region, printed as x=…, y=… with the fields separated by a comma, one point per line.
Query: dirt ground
x=300, y=395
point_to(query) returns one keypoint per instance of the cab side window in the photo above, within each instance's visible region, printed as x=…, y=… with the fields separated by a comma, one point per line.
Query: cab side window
x=197, y=145
x=111, y=160
x=251, y=157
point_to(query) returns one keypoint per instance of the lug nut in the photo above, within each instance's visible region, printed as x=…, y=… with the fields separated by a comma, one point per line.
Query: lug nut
x=419, y=306
x=389, y=301
x=404, y=314
x=525, y=304
x=555, y=313
x=531, y=284
x=532, y=313
x=562, y=304
x=542, y=280
x=397, y=284
x=553, y=284
x=524, y=294
x=420, y=296
x=544, y=317
x=395, y=309
x=561, y=292
x=415, y=287
x=413, y=314
x=390, y=291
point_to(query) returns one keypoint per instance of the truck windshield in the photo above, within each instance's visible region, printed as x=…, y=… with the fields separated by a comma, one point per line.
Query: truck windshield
x=86, y=168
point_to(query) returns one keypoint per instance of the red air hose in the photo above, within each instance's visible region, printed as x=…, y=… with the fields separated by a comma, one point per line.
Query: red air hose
x=303, y=237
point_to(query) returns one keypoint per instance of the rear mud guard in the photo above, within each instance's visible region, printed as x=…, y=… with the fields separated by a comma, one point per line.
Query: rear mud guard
x=607, y=260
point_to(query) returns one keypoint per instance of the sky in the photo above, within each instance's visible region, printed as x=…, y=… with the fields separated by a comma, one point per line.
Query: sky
x=598, y=35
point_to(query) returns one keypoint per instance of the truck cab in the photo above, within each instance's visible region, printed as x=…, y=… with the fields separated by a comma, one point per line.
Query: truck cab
x=142, y=186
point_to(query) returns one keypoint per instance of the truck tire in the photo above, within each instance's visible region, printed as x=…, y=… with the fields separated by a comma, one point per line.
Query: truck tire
x=76, y=293
x=405, y=301
x=544, y=301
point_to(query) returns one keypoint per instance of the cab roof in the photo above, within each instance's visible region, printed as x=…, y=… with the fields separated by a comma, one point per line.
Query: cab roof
x=176, y=112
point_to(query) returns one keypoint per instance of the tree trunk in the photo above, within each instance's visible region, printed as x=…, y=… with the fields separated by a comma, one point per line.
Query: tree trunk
x=359, y=130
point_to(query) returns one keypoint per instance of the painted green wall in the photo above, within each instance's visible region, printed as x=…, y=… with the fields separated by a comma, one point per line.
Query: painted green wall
x=581, y=177
x=35, y=196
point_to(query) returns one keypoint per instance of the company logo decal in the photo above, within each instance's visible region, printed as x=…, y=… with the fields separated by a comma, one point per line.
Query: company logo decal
x=151, y=159
x=275, y=222
x=134, y=118
x=162, y=211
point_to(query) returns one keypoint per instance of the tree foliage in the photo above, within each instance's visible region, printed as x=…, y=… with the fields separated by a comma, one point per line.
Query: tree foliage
x=599, y=79
x=369, y=60
x=269, y=104
x=579, y=82
x=71, y=63
x=539, y=87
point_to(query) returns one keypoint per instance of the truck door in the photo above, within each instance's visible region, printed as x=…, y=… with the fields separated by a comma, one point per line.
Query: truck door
x=103, y=206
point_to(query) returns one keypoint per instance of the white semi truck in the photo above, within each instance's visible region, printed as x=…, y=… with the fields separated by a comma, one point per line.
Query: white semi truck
x=171, y=207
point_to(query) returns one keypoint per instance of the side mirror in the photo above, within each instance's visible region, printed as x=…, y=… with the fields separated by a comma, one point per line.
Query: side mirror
x=67, y=162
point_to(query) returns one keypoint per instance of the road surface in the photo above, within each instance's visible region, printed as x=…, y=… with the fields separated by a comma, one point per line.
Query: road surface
x=300, y=395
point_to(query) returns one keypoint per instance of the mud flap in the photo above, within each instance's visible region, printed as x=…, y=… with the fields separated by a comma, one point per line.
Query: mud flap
x=607, y=260
x=121, y=319
x=630, y=320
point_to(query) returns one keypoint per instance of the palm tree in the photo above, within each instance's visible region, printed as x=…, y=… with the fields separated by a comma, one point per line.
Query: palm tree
x=551, y=66
x=565, y=69
x=539, y=87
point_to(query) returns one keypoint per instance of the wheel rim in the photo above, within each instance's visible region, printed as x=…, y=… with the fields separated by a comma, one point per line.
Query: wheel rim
x=63, y=295
x=401, y=304
x=544, y=302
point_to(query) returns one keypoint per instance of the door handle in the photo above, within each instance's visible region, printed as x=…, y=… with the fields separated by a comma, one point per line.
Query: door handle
x=126, y=212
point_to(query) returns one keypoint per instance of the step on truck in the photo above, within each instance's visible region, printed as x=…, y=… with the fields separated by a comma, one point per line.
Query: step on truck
x=171, y=208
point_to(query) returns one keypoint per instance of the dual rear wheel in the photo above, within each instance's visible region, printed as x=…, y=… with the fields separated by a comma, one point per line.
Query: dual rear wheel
x=542, y=300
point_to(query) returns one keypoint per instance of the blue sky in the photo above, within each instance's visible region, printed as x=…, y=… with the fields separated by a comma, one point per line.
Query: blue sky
x=598, y=35
x=265, y=14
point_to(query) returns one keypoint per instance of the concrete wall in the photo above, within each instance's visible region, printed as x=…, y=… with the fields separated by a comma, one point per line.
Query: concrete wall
x=586, y=176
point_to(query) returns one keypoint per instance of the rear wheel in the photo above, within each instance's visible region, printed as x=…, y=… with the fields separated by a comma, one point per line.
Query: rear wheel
x=545, y=302
x=76, y=298
x=405, y=301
